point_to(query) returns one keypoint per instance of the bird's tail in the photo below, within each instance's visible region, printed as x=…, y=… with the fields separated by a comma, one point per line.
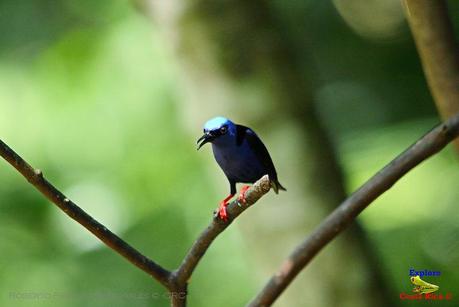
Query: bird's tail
x=275, y=184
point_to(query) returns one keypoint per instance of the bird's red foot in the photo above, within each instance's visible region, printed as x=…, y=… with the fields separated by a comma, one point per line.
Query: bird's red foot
x=222, y=208
x=241, y=198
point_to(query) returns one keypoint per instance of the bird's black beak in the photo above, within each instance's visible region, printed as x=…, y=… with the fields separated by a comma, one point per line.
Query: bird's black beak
x=206, y=138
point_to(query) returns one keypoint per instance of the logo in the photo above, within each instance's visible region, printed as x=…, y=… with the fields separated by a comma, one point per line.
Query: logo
x=421, y=286
x=424, y=290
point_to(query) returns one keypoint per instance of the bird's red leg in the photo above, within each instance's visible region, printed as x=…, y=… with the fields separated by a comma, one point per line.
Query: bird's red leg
x=222, y=209
x=241, y=198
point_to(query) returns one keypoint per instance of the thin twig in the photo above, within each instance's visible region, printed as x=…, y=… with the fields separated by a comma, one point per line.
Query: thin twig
x=200, y=246
x=36, y=178
x=345, y=214
x=179, y=278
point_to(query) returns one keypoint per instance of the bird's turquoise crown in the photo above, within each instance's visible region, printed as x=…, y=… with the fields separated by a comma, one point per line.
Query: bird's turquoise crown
x=216, y=123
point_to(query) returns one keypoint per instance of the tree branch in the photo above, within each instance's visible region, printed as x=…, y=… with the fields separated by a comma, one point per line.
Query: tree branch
x=434, y=36
x=342, y=216
x=36, y=178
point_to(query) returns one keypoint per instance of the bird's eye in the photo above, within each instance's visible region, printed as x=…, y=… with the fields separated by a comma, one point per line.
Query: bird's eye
x=223, y=129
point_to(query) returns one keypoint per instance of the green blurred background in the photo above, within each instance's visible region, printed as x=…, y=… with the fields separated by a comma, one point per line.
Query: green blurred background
x=109, y=97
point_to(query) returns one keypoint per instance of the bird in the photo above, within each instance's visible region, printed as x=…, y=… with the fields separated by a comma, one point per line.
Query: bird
x=241, y=155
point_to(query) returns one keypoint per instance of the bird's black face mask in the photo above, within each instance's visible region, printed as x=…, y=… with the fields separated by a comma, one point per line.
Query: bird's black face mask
x=211, y=135
x=206, y=138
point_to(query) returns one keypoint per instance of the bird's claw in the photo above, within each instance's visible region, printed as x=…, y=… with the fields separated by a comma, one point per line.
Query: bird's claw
x=241, y=198
x=222, y=212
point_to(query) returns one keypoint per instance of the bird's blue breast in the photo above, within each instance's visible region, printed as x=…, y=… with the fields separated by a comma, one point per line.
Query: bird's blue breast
x=239, y=163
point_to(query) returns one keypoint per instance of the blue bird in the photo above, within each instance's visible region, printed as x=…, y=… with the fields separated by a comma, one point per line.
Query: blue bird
x=241, y=155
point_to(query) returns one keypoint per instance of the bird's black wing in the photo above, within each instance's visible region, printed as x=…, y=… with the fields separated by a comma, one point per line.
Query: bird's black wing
x=245, y=133
x=258, y=147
